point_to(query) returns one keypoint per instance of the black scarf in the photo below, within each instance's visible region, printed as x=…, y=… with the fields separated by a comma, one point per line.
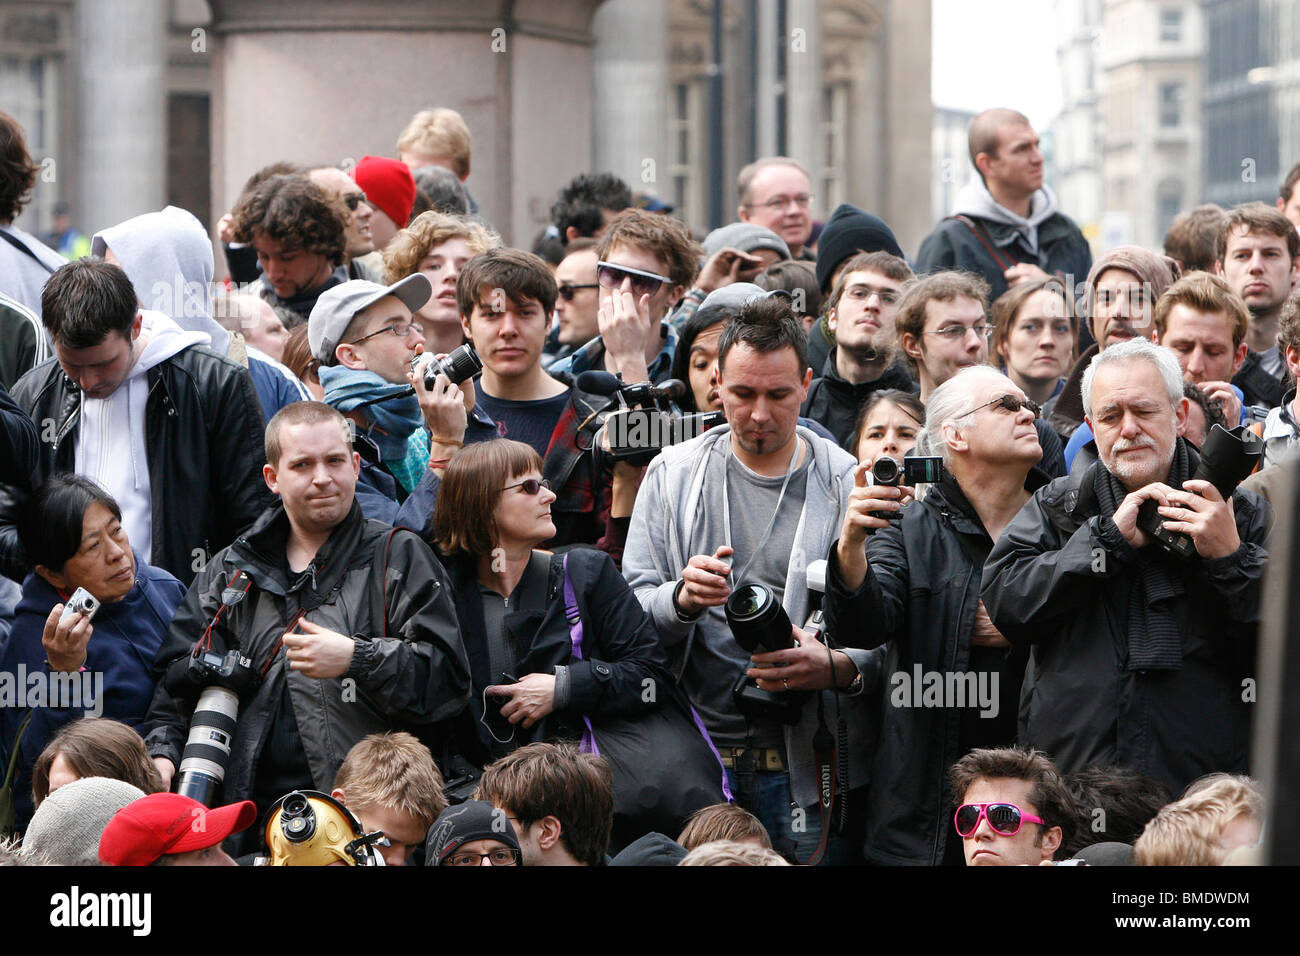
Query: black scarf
x=1154, y=642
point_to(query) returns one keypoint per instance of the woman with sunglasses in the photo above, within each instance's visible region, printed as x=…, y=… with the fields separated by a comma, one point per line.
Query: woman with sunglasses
x=493, y=510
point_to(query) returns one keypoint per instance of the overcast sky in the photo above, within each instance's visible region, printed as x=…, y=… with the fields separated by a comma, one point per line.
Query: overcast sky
x=988, y=53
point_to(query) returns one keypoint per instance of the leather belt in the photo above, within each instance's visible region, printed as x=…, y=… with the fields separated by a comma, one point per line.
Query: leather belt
x=751, y=760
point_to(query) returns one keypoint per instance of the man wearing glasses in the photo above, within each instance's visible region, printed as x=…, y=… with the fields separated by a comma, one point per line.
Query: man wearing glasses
x=359, y=240
x=885, y=557
x=775, y=192
x=1012, y=808
x=364, y=337
x=861, y=313
x=578, y=297
x=1140, y=657
x=941, y=328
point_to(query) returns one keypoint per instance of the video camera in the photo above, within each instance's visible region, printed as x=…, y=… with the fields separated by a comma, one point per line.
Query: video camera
x=914, y=470
x=642, y=419
x=1227, y=457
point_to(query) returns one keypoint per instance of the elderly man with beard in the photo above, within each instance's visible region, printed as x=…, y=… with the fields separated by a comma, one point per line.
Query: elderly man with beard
x=1138, y=657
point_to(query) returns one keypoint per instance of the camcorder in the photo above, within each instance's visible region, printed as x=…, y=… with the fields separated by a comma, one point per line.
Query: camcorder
x=759, y=624
x=914, y=470
x=643, y=419
x=1227, y=457
x=458, y=365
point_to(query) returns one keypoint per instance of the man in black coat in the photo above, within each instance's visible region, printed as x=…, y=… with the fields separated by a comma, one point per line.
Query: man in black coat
x=1006, y=227
x=953, y=680
x=1138, y=658
x=167, y=426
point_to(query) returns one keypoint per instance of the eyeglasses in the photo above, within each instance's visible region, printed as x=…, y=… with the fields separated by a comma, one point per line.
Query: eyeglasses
x=1008, y=402
x=611, y=276
x=957, y=331
x=531, y=486
x=504, y=856
x=566, y=291
x=778, y=203
x=354, y=200
x=400, y=329
x=864, y=294
x=1004, y=819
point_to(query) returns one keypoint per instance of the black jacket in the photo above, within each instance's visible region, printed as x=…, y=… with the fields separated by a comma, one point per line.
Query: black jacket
x=920, y=595
x=834, y=403
x=1257, y=385
x=18, y=447
x=407, y=674
x=954, y=245
x=1059, y=579
x=204, y=439
x=621, y=650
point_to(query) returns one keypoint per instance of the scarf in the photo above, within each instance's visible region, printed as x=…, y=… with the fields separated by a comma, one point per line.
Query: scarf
x=394, y=417
x=1154, y=642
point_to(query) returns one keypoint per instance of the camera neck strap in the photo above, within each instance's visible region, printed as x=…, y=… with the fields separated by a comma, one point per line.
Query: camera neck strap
x=767, y=532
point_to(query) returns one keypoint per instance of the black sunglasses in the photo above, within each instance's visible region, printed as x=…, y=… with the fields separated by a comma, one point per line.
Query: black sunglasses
x=1010, y=403
x=354, y=200
x=531, y=486
x=643, y=283
x=566, y=291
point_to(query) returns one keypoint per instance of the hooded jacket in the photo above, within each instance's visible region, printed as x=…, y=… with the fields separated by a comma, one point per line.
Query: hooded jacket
x=1000, y=238
x=666, y=531
x=202, y=441
x=918, y=599
x=409, y=673
x=119, y=658
x=835, y=403
x=1058, y=580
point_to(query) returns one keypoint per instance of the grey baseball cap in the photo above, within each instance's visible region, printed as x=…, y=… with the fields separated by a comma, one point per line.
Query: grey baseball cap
x=336, y=308
x=737, y=295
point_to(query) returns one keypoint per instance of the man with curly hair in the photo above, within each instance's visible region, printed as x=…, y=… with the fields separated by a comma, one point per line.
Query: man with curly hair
x=299, y=234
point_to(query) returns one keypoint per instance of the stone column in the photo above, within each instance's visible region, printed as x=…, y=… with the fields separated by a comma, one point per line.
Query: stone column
x=121, y=97
x=629, y=80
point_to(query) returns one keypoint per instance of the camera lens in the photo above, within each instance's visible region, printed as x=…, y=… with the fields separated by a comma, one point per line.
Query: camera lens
x=757, y=620
x=885, y=471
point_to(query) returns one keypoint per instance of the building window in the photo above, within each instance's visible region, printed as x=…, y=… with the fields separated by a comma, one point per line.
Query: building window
x=1169, y=203
x=1171, y=25
x=1171, y=105
x=834, y=156
x=685, y=152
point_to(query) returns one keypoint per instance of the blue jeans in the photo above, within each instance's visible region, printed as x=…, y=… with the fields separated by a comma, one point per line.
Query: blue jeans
x=767, y=796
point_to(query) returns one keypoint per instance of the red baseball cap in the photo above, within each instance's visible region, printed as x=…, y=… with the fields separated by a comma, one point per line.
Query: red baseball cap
x=388, y=185
x=166, y=823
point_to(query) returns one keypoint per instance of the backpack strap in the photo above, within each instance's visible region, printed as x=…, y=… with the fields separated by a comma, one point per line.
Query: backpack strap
x=588, y=743
x=980, y=233
x=22, y=247
x=379, y=581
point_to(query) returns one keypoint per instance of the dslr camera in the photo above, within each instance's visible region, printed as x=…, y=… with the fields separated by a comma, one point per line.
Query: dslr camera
x=224, y=679
x=1227, y=457
x=759, y=624
x=458, y=365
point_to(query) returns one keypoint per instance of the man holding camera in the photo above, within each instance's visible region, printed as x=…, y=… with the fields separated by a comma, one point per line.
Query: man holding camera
x=751, y=503
x=1138, y=657
x=340, y=627
x=913, y=584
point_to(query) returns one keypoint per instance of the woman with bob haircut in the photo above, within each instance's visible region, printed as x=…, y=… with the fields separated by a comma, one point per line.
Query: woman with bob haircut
x=1034, y=331
x=93, y=747
x=87, y=666
x=528, y=683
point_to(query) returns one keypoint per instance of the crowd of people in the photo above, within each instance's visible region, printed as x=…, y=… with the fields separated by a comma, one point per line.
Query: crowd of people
x=768, y=546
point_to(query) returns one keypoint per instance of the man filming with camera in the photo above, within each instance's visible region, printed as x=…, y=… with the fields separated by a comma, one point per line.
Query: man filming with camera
x=749, y=504
x=314, y=629
x=1141, y=624
x=913, y=584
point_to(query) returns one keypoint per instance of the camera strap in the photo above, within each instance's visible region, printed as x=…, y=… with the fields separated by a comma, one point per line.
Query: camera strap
x=767, y=533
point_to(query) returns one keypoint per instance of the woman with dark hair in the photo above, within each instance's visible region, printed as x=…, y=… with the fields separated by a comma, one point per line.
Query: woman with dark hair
x=887, y=425
x=97, y=665
x=696, y=355
x=93, y=747
x=492, y=513
x=1034, y=331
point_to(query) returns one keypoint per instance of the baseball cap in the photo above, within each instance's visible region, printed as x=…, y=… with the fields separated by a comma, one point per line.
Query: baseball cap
x=166, y=823
x=739, y=294
x=336, y=308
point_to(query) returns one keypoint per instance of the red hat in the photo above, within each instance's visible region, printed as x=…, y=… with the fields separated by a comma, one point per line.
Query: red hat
x=388, y=184
x=165, y=823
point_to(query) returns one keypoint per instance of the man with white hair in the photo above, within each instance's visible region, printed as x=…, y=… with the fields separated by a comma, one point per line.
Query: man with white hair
x=1138, y=657
x=878, y=567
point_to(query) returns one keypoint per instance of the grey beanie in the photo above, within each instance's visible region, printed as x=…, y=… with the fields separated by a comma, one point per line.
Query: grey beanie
x=66, y=827
x=745, y=236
